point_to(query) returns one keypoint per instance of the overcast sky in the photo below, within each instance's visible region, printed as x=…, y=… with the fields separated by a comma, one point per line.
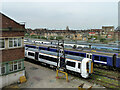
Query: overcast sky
x=58, y=15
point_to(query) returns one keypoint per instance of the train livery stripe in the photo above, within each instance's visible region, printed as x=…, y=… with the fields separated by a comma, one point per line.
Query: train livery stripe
x=100, y=62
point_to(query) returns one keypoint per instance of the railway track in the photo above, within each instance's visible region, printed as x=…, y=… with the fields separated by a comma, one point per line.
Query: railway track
x=108, y=79
x=105, y=75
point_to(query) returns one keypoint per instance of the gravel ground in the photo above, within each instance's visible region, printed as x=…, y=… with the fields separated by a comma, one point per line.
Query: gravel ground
x=41, y=77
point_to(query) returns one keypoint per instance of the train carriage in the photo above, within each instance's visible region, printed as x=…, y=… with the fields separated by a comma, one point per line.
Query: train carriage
x=109, y=59
x=77, y=64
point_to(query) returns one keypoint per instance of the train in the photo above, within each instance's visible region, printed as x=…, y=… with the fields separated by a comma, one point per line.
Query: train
x=109, y=59
x=80, y=46
x=80, y=65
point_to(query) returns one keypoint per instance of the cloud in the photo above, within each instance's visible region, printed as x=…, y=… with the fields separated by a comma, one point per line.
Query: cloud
x=78, y=15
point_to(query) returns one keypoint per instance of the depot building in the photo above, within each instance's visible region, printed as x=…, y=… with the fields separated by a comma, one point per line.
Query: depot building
x=11, y=51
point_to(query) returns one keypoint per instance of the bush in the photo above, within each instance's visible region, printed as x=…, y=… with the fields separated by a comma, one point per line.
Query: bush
x=102, y=39
x=59, y=37
x=43, y=38
x=51, y=37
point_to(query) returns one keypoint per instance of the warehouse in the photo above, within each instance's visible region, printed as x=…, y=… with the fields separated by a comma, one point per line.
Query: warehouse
x=11, y=51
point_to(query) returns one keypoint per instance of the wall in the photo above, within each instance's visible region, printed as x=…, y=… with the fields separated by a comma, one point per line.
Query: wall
x=11, y=78
x=7, y=22
x=12, y=54
x=12, y=34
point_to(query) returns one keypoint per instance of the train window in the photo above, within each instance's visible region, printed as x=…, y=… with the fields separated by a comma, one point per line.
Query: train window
x=79, y=65
x=77, y=54
x=103, y=59
x=87, y=56
x=30, y=54
x=72, y=64
x=82, y=55
x=42, y=56
x=90, y=56
x=52, y=59
x=71, y=53
x=48, y=58
x=96, y=57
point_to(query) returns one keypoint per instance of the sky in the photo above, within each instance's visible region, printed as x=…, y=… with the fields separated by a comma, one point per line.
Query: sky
x=59, y=14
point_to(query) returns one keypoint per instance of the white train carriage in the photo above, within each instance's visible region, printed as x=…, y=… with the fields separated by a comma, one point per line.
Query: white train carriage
x=83, y=66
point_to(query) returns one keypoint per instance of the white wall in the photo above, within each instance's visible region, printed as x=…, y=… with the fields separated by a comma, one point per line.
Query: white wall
x=10, y=78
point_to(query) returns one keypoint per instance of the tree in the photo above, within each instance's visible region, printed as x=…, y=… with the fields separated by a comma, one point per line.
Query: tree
x=102, y=40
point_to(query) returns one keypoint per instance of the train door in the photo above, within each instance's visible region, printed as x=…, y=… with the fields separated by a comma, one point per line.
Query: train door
x=78, y=67
x=36, y=55
x=114, y=60
x=89, y=55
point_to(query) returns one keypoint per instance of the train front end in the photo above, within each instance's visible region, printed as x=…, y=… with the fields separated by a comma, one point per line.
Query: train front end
x=86, y=67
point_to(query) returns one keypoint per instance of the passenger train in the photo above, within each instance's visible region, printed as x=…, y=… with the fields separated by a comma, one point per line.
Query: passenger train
x=76, y=64
x=78, y=46
x=111, y=60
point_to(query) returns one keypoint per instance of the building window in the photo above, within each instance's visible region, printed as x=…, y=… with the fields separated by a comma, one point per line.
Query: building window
x=19, y=42
x=14, y=66
x=10, y=42
x=2, y=43
x=15, y=42
x=11, y=66
x=2, y=69
x=19, y=65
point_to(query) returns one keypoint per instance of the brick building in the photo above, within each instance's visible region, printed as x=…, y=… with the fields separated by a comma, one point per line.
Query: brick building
x=11, y=50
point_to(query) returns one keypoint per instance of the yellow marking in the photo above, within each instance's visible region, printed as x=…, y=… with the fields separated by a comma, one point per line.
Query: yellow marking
x=93, y=50
x=91, y=67
x=65, y=74
x=23, y=79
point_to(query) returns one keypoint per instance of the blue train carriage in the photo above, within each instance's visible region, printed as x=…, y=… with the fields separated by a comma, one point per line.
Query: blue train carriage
x=77, y=64
x=118, y=61
x=105, y=59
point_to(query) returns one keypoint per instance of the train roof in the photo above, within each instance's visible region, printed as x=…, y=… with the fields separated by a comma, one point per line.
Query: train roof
x=48, y=52
x=80, y=51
